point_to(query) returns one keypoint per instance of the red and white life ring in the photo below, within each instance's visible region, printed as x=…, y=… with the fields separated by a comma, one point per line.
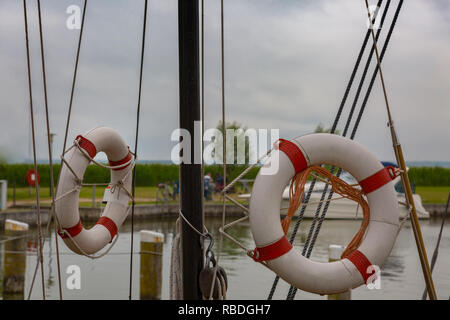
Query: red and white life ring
x=105, y=140
x=273, y=247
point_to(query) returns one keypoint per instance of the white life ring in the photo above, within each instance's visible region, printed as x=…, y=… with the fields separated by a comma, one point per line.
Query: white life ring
x=120, y=159
x=272, y=245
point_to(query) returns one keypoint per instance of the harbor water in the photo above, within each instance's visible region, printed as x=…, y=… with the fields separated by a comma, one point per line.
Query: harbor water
x=108, y=277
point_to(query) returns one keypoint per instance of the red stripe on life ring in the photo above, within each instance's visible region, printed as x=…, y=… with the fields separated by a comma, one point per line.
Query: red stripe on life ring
x=109, y=224
x=272, y=251
x=87, y=145
x=120, y=162
x=73, y=231
x=294, y=153
x=361, y=263
x=378, y=179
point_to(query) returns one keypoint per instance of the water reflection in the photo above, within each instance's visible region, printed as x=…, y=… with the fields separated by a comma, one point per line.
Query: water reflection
x=108, y=277
x=393, y=268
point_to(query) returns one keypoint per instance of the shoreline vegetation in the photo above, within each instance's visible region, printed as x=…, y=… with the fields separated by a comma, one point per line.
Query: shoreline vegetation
x=432, y=183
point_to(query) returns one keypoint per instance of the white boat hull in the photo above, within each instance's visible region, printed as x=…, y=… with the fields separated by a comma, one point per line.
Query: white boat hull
x=348, y=209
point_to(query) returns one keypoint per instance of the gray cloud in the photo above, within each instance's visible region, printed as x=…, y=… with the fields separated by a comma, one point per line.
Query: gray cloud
x=287, y=64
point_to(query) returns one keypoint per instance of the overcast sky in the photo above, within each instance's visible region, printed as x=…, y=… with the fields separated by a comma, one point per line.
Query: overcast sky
x=287, y=65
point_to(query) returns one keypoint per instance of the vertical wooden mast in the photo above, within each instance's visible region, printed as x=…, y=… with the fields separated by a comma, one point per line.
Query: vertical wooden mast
x=191, y=195
x=405, y=179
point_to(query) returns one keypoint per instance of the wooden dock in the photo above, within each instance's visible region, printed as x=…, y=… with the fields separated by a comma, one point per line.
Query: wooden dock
x=27, y=214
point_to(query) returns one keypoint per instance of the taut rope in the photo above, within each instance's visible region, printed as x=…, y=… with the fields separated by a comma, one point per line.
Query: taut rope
x=133, y=185
x=38, y=204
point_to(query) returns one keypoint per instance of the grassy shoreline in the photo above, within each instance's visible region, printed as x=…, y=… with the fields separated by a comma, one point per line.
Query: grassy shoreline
x=146, y=195
x=433, y=194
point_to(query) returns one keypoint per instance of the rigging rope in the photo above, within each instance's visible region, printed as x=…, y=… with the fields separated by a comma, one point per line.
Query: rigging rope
x=68, y=120
x=224, y=151
x=405, y=179
x=333, y=129
x=375, y=72
x=366, y=68
x=65, y=135
x=133, y=189
x=293, y=290
x=352, y=77
x=369, y=89
x=307, y=251
x=52, y=181
x=74, y=79
x=436, y=249
x=38, y=205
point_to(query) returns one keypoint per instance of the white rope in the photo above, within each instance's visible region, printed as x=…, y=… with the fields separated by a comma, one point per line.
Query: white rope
x=119, y=183
x=84, y=152
x=224, y=227
x=204, y=234
x=223, y=295
x=77, y=188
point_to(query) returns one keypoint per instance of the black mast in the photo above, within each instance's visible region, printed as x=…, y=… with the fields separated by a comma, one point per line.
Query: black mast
x=191, y=195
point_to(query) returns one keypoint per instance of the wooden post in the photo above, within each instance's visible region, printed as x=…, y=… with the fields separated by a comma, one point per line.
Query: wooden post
x=14, y=194
x=151, y=265
x=1, y=269
x=15, y=261
x=93, y=196
x=191, y=193
x=3, y=194
x=334, y=254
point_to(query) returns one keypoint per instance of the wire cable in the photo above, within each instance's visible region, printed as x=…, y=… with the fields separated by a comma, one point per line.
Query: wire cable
x=38, y=204
x=333, y=129
x=74, y=79
x=436, y=249
x=312, y=236
x=224, y=148
x=52, y=186
x=133, y=189
x=357, y=122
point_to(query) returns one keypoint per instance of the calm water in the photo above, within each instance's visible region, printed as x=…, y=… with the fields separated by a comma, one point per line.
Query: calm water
x=108, y=277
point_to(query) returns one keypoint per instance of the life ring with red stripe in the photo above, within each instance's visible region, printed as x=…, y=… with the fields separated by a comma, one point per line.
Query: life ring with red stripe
x=272, y=246
x=76, y=160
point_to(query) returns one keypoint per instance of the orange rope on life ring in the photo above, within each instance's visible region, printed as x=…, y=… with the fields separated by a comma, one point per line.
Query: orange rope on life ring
x=339, y=186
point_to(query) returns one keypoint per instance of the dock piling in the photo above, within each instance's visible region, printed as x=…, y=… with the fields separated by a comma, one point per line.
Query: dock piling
x=334, y=254
x=3, y=194
x=15, y=259
x=151, y=265
x=14, y=194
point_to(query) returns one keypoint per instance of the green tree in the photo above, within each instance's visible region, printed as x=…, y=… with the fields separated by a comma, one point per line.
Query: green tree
x=320, y=129
x=3, y=157
x=239, y=132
